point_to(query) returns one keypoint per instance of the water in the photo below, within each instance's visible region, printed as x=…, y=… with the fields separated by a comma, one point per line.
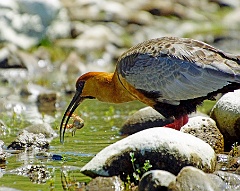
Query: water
x=102, y=124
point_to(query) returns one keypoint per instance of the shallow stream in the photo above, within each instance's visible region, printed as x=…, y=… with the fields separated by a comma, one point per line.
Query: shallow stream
x=102, y=124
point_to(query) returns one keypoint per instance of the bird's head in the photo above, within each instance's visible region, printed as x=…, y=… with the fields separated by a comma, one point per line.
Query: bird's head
x=83, y=91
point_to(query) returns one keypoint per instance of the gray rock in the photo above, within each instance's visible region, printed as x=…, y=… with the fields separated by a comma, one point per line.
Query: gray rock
x=29, y=141
x=226, y=113
x=191, y=178
x=3, y=154
x=156, y=180
x=25, y=23
x=43, y=128
x=218, y=181
x=47, y=102
x=36, y=173
x=143, y=119
x=232, y=180
x=165, y=148
x=105, y=183
x=205, y=128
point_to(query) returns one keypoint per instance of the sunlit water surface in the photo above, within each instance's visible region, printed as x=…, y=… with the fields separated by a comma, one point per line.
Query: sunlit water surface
x=102, y=124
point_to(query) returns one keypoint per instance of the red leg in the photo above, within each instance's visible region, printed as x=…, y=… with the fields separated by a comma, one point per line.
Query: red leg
x=178, y=123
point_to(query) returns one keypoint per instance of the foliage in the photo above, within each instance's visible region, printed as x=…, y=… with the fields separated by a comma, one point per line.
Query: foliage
x=138, y=171
x=234, y=149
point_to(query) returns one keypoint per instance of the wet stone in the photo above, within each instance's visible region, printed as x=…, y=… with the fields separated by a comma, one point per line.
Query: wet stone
x=29, y=141
x=231, y=180
x=105, y=183
x=36, y=173
x=43, y=128
x=47, y=101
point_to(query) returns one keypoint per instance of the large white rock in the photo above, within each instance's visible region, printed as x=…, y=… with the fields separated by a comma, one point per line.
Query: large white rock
x=226, y=113
x=165, y=148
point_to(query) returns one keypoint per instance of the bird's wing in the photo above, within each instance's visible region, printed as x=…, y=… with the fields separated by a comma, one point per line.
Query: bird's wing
x=180, y=75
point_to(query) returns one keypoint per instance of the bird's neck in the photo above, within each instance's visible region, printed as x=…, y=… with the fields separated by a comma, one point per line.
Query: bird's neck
x=106, y=87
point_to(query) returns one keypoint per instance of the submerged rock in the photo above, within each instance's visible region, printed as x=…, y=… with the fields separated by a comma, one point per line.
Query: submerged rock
x=165, y=148
x=36, y=173
x=105, y=183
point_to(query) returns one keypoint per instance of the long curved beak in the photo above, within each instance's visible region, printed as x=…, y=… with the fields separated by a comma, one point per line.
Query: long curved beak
x=76, y=100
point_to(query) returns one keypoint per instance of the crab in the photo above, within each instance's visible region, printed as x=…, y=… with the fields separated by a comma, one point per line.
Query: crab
x=78, y=123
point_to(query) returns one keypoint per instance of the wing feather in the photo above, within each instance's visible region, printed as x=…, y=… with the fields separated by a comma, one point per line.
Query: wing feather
x=182, y=71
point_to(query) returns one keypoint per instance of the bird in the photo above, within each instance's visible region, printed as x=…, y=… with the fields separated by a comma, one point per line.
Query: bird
x=173, y=75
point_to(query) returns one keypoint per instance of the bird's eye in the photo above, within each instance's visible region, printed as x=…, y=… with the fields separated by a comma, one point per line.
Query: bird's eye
x=80, y=85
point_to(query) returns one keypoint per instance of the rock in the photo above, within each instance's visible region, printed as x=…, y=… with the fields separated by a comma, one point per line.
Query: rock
x=25, y=23
x=47, y=102
x=165, y=148
x=191, y=178
x=9, y=58
x=205, y=128
x=105, y=183
x=19, y=65
x=36, y=173
x=95, y=38
x=46, y=99
x=226, y=113
x=43, y=128
x=217, y=181
x=231, y=180
x=3, y=154
x=73, y=66
x=156, y=180
x=143, y=119
x=29, y=141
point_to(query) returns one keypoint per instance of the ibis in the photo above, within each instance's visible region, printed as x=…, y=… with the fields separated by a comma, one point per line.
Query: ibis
x=172, y=75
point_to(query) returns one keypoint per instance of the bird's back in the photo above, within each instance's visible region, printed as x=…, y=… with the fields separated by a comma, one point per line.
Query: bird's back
x=170, y=70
